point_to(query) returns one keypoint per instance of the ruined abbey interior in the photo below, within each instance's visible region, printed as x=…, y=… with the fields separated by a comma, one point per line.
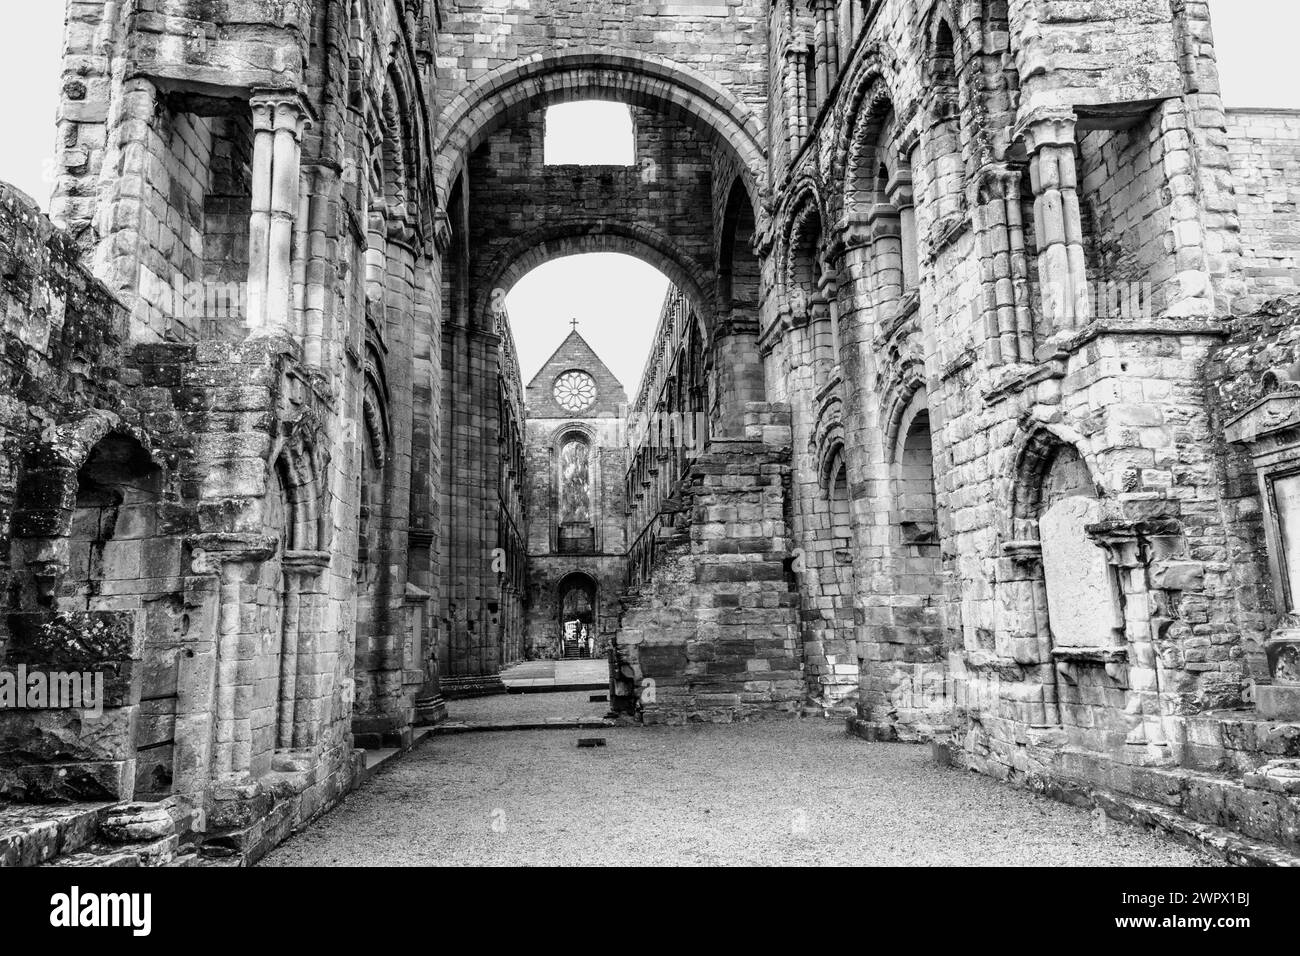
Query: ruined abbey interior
x=972, y=419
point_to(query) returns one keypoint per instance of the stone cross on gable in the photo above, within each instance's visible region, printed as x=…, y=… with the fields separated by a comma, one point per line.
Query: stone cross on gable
x=574, y=323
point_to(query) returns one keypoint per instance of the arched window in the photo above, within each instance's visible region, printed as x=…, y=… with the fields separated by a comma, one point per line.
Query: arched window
x=841, y=516
x=574, y=517
x=118, y=491
x=575, y=482
x=917, y=505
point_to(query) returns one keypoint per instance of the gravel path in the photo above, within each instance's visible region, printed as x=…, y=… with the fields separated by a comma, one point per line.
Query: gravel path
x=514, y=707
x=796, y=792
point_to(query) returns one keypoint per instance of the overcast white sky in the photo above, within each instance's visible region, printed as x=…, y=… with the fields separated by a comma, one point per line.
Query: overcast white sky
x=615, y=298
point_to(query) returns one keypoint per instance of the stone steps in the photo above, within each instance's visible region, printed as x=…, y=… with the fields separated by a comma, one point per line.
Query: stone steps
x=161, y=852
x=33, y=834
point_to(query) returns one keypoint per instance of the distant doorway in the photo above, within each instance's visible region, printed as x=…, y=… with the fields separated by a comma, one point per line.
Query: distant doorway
x=578, y=631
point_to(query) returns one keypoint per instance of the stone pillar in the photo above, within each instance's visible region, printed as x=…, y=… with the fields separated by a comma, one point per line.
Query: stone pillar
x=236, y=559
x=279, y=119
x=828, y=311
x=1004, y=268
x=831, y=19
x=1049, y=141
x=821, y=60
x=302, y=573
x=901, y=198
x=885, y=235
x=794, y=84
x=1142, y=623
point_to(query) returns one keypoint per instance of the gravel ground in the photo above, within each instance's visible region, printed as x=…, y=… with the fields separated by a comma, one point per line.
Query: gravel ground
x=796, y=792
x=514, y=707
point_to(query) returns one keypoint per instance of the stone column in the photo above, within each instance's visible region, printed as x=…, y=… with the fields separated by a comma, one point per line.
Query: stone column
x=832, y=43
x=901, y=198
x=821, y=59
x=738, y=375
x=1142, y=623
x=1049, y=141
x=279, y=119
x=885, y=235
x=828, y=312
x=302, y=571
x=1004, y=270
x=797, y=68
x=236, y=559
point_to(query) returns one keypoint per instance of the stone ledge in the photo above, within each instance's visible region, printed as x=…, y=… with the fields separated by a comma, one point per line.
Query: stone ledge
x=1222, y=843
x=34, y=834
x=1237, y=823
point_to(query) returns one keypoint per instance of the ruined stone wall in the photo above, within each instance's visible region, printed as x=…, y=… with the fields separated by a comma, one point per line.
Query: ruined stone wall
x=1265, y=150
x=712, y=634
x=249, y=494
x=64, y=336
x=944, y=312
x=524, y=211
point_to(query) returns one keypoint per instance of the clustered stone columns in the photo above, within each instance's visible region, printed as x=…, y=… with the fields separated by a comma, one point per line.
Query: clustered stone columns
x=305, y=593
x=1004, y=267
x=1140, y=553
x=1053, y=173
x=796, y=92
x=236, y=559
x=826, y=38
x=279, y=120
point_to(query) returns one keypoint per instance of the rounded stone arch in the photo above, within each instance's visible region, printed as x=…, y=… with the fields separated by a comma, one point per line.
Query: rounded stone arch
x=573, y=580
x=71, y=443
x=580, y=237
x=739, y=272
x=50, y=467
x=869, y=91
x=803, y=239
x=829, y=441
x=1032, y=455
x=300, y=461
x=901, y=405
x=945, y=39
x=562, y=431
x=374, y=407
x=586, y=72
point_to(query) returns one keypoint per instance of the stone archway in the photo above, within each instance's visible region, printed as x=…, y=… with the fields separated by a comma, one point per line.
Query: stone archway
x=633, y=78
x=577, y=598
x=581, y=237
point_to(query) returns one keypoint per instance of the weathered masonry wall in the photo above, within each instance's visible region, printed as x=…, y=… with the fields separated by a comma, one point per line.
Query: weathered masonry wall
x=712, y=634
x=996, y=276
x=120, y=562
x=722, y=42
x=524, y=212
x=238, y=484
x=1017, y=475
x=1265, y=149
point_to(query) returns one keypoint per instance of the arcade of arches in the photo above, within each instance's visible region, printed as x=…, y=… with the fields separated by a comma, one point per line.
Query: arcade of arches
x=970, y=416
